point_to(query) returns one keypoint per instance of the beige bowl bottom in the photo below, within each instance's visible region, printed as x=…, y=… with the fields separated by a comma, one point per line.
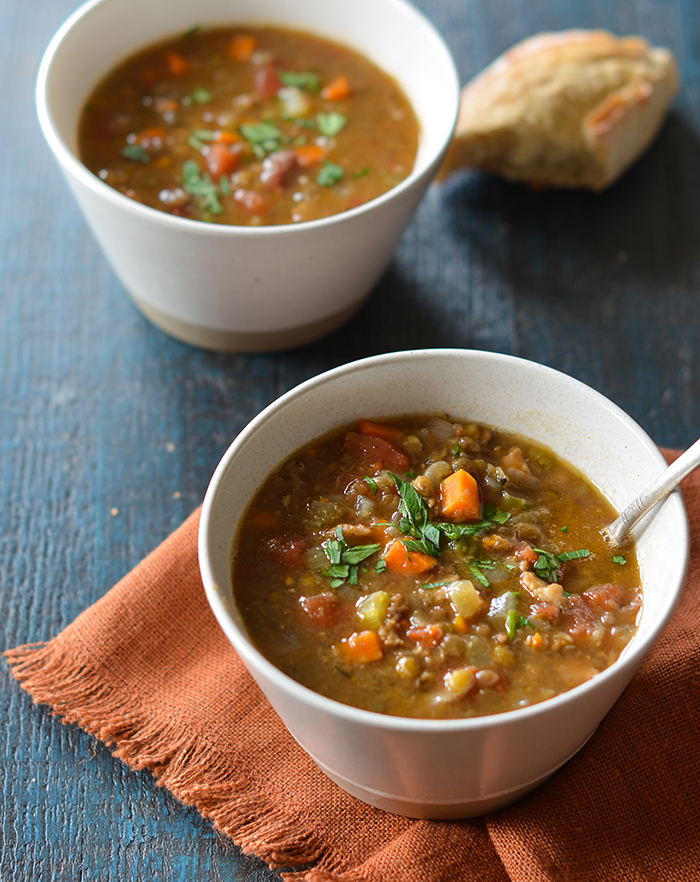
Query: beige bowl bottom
x=235, y=341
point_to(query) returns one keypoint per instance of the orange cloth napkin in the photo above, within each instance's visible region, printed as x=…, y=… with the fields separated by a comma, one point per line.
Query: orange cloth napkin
x=148, y=671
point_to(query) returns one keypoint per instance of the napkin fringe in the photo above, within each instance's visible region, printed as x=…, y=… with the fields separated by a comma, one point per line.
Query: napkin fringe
x=76, y=694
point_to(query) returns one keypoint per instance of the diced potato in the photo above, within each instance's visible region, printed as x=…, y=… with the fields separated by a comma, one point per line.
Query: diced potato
x=372, y=609
x=465, y=599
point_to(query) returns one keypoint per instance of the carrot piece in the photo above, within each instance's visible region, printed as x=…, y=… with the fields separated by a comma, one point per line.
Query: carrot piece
x=226, y=137
x=264, y=519
x=400, y=560
x=308, y=154
x=220, y=160
x=369, y=448
x=427, y=636
x=150, y=134
x=177, y=65
x=459, y=497
x=241, y=47
x=379, y=430
x=362, y=647
x=336, y=90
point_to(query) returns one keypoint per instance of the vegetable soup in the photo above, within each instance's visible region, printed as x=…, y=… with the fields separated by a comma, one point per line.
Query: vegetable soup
x=249, y=126
x=432, y=567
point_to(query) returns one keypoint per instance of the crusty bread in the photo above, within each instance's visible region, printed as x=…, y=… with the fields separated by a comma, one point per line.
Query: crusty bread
x=567, y=109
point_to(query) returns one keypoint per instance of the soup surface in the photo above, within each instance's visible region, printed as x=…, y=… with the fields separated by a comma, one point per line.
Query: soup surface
x=249, y=126
x=428, y=567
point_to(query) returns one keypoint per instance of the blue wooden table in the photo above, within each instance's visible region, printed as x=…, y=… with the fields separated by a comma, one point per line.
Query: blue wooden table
x=110, y=431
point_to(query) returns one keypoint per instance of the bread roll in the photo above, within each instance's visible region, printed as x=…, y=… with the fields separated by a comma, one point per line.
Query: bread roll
x=567, y=109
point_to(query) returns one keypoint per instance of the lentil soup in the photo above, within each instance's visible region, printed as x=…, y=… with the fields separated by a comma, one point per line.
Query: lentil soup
x=431, y=567
x=249, y=126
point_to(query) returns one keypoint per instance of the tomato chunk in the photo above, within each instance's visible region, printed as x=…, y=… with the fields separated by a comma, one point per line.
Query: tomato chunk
x=369, y=448
x=324, y=610
x=287, y=550
x=427, y=636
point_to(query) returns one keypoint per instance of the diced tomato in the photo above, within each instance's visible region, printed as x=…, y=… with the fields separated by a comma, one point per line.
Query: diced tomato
x=577, y=617
x=241, y=47
x=267, y=83
x=308, y=154
x=545, y=610
x=253, y=202
x=369, y=448
x=220, y=159
x=427, y=636
x=527, y=556
x=287, y=550
x=604, y=596
x=324, y=610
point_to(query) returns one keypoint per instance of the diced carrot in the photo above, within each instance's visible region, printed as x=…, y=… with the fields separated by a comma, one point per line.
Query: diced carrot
x=264, y=519
x=241, y=47
x=336, y=90
x=369, y=448
x=177, y=65
x=151, y=134
x=220, y=160
x=308, y=154
x=362, y=647
x=461, y=625
x=427, y=636
x=226, y=137
x=400, y=560
x=164, y=161
x=379, y=430
x=459, y=497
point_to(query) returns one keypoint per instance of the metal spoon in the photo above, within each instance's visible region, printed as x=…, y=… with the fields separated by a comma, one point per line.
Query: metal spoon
x=618, y=531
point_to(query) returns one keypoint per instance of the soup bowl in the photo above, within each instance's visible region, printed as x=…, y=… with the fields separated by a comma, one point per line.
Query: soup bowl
x=454, y=768
x=243, y=288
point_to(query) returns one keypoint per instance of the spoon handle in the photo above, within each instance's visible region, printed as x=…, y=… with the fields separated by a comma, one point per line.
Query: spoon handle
x=617, y=531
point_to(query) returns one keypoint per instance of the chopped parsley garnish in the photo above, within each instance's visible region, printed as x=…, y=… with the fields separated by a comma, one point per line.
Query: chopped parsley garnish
x=330, y=174
x=301, y=79
x=201, y=96
x=330, y=124
x=478, y=566
x=547, y=563
x=514, y=621
x=372, y=483
x=456, y=450
x=345, y=558
x=201, y=186
x=380, y=566
x=135, y=153
x=264, y=137
x=191, y=32
x=619, y=559
x=436, y=584
x=362, y=172
x=565, y=528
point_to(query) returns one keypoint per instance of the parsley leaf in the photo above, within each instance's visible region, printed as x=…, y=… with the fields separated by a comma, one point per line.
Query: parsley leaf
x=514, y=621
x=344, y=559
x=301, y=79
x=330, y=174
x=547, y=563
x=135, y=153
x=201, y=186
x=201, y=96
x=619, y=559
x=372, y=483
x=330, y=124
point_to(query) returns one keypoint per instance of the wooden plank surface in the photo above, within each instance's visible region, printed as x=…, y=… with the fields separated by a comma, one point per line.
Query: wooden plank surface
x=109, y=430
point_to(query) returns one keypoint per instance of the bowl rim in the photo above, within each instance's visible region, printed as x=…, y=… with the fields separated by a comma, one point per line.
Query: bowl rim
x=633, y=654
x=72, y=164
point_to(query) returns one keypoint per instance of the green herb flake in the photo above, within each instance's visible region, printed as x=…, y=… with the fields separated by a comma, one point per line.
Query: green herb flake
x=204, y=134
x=514, y=621
x=435, y=584
x=479, y=575
x=330, y=174
x=260, y=133
x=191, y=32
x=301, y=79
x=619, y=559
x=201, y=186
x=547, y=563
x=331, y=124
x=224, y=186
x=380, y=566
x=373, y=484
x=201, y=96
x=565, y=528
x=456, y=450
x=362, y=172
x=135, y=153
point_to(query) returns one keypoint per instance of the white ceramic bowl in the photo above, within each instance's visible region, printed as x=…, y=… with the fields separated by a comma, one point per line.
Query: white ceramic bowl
x=449, y=768
x=247, y=288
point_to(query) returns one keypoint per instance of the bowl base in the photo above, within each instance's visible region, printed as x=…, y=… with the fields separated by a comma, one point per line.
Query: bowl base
x=435, y=811
x=243, y=341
